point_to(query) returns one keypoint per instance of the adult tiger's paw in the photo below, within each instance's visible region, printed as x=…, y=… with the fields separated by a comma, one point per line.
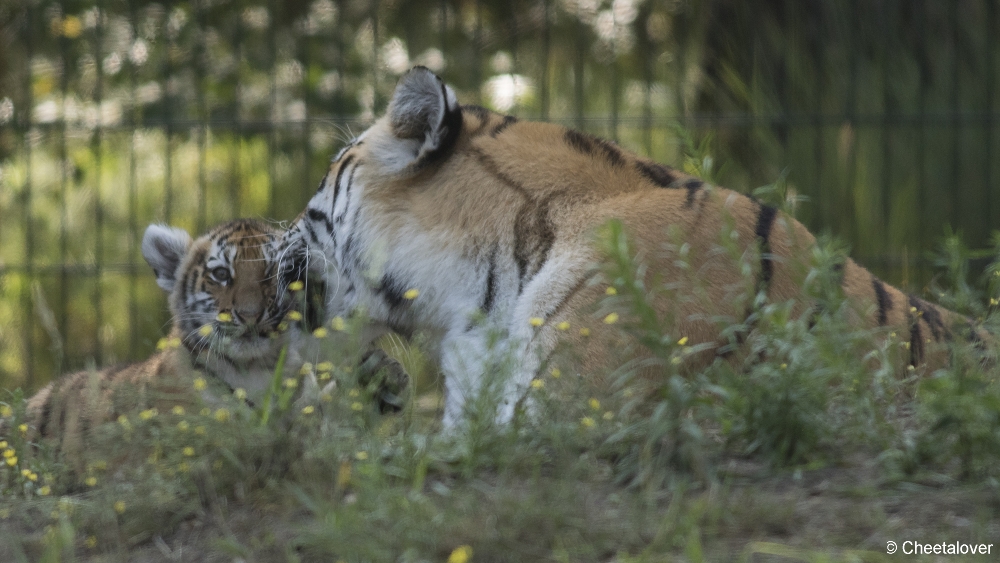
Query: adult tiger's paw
x=386, y=376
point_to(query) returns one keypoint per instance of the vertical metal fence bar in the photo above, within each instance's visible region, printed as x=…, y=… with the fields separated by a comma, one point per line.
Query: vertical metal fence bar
x=133, y=198
x=546, y=48
x=647, y=95
x=851, y=106
x=989, y=45
x=923, y=62
x=818, y=121
x=955, y=118
x=199, y=70
x=236, y=161
x=27, y=130
x=61, y=322
x=168, y=109
x=272, y=114
x=888, y=117
x=375, y=63
x=305, y=131
x=97, y=138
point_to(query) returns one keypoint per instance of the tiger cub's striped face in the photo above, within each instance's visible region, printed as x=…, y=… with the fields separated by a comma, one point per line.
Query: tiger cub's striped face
x=225, y=296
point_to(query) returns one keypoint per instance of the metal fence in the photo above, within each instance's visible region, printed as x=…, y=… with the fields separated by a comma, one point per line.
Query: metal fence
x=116, y=114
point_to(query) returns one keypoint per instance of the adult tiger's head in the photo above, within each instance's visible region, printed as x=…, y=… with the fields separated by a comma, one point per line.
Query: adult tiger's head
x=225, y=296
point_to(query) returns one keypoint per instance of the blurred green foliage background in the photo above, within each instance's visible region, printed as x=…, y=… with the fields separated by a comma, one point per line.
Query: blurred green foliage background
x=116, y=114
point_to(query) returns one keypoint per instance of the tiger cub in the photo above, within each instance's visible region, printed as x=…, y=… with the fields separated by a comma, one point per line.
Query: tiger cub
x=482, y=231
x=226, y=303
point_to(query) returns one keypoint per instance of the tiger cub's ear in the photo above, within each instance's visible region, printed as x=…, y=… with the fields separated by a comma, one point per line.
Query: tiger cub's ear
x=164, y=248
x=424, y=120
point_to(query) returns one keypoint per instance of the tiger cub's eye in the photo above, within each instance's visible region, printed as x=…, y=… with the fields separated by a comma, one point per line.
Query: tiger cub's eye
x=220, y=274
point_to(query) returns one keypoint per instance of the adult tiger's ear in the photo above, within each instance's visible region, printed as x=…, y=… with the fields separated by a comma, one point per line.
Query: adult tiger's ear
x=164, y=248
x=424, y=121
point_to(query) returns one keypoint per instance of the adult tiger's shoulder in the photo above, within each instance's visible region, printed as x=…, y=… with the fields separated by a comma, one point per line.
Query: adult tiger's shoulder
x=227, y=303
x=493, y=218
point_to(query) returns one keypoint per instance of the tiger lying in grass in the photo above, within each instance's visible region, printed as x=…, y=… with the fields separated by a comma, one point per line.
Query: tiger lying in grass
x=226, y=309
x=482, y=231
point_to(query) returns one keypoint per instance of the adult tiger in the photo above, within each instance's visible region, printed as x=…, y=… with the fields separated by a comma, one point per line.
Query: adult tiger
x=489, y=217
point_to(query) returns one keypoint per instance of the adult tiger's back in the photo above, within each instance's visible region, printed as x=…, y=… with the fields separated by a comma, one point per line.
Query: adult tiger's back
x=490, y=217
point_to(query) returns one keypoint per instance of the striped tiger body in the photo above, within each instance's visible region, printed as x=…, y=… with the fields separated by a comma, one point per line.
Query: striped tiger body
x=492, y=218
x=226, y=307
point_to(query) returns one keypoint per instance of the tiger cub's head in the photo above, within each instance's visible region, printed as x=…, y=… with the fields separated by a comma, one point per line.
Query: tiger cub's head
x=225, y=296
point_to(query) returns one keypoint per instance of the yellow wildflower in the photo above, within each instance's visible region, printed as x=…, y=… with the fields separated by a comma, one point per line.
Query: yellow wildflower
x=460, y=554
x=222, y=415
x=282, y=326
x=290, y=382
x=178, y=410
x=148, y=414
x=3, y=444
x=200, y=384
x=173, y=342
x=356, y=406
x=183, y=426
x=361, y=456
x=337, y=324
x=594, y=404
x=12, y=461
x=90, y=542
x=23, y=428
x=240, y=393
x=296, y=285
x=536, y=321
x=161, y=344
x=784, y=366
x=682, y=341
x=320, y=332
x=326, y=397
x=294, y=316
x=611, y=319
x=676, y=360
x=32, y=476
x=205, y=330
x=556, y=372
x=411, y=294
x=587, y=422
x=608, y=415
x=119, y=507
x=562, y=325
x=224, y=317
x=354, y=392
x=994, y=301
x=537, y=384
x=188, y=451
x=25, y=472
x=9, y=453
x=324, y=376
x=45, y=491
x=324, y=366
x=6, y=411
x=344, y=474
x=200, y=430
x=308, y=410
x=91, y=481
x=306, y=369
x=611, y=291
x=584, y=332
